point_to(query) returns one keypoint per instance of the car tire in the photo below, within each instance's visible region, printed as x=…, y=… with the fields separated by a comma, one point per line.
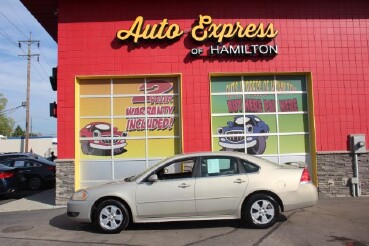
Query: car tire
x=119, y=151
x=259, y=147
x=111, y=216
x=261, y=211
x=86, y=149
x=34, y=183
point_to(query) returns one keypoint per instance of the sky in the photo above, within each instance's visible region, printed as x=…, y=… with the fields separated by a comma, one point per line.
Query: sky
x=16, y=23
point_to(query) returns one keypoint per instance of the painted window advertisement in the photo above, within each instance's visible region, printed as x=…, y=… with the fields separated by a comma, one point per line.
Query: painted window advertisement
x=130, y=118
x=259, y=114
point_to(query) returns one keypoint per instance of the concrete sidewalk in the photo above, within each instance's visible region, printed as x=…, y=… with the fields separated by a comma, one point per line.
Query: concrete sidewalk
x=42, y=200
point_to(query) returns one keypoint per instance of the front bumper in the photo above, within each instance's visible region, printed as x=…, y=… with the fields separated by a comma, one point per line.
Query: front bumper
x=79, y=211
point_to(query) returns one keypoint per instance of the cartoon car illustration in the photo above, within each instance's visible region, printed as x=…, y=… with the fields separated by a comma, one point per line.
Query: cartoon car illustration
x=233, y=138
x=101, y=142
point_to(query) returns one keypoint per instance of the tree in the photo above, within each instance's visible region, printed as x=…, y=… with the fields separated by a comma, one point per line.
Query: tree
x=6, y=123
x=18, y=132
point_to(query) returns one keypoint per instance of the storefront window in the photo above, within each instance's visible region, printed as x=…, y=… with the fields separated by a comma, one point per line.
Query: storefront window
x=124, y=121
x=261, y=115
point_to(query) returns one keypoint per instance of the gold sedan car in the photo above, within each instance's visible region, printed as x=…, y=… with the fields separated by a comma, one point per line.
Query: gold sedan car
x=197, y=186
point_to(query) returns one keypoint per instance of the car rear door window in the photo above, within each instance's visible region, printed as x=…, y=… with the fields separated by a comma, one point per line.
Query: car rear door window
x=218, y=166
x=32, y=164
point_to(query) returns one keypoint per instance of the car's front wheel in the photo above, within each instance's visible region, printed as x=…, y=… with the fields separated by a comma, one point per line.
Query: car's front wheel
x=261, y=211
x=259, y=147
x=86, y=148
x=111, y=216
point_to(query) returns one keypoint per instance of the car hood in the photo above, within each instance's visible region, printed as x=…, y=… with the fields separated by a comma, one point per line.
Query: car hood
x=114, y=188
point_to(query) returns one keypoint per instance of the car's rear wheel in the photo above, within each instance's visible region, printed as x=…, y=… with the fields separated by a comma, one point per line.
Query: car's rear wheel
x=34, y=183
x=111, y=216
x=261, y=211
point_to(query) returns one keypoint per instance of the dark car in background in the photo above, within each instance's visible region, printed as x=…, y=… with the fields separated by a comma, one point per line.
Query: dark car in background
x=37, y=172
x=9, y=179
x=8, y=155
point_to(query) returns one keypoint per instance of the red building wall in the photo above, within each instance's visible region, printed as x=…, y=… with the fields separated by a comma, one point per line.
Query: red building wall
x=329, y=39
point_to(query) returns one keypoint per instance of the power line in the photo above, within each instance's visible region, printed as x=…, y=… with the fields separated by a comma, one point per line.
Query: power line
x=16, y=13
x=10, y=111
x=1, y=12
x=3, y=32
x=14, y=43
x=25, y=26
x=9, y=38
x=46, y=61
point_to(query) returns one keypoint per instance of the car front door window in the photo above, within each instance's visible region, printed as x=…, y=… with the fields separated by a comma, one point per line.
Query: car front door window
x=177, y=170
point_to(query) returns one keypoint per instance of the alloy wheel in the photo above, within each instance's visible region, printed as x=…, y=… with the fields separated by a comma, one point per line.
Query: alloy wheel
x=111, y=217
x=262, y=212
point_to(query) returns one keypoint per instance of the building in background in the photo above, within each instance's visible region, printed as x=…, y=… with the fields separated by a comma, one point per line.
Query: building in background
x=39, y=145
x=139, y=81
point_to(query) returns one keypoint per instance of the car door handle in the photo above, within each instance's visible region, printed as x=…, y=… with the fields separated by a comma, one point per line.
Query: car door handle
x=239, y=181
x=183, y=185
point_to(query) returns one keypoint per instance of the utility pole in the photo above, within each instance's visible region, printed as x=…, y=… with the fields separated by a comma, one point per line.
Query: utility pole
x=29, y=56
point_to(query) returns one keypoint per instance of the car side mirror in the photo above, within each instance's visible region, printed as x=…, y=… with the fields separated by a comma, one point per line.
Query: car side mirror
x=153, y=178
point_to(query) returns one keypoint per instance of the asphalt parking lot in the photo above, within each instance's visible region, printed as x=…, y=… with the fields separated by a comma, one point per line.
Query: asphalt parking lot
x=18, y=195
x=336, y=221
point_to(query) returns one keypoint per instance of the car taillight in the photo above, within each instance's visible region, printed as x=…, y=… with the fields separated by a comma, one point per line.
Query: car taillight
x=6, y=175
x=51, y=168
x=305, y=177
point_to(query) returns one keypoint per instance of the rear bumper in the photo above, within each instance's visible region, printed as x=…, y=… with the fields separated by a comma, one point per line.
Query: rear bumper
x=79, y=211
x=305, y=196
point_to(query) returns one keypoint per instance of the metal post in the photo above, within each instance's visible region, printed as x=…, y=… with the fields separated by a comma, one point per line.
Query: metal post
x=358, y=191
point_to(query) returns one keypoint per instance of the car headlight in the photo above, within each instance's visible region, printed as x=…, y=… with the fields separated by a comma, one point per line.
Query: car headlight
x=96, y=134
x=79, y=195
x=220, y=130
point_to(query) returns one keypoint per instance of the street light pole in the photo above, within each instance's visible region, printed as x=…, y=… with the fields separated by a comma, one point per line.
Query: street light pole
x=29, y=42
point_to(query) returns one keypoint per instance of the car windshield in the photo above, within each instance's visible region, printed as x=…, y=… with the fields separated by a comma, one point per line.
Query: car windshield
x=134, y=178
x=102, y=127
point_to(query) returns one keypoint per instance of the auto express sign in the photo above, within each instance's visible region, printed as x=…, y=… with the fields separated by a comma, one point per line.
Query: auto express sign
x=206, y=31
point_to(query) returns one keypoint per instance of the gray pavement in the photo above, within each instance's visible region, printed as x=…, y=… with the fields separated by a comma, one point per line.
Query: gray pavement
x=335, y=221
x=41, y=200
